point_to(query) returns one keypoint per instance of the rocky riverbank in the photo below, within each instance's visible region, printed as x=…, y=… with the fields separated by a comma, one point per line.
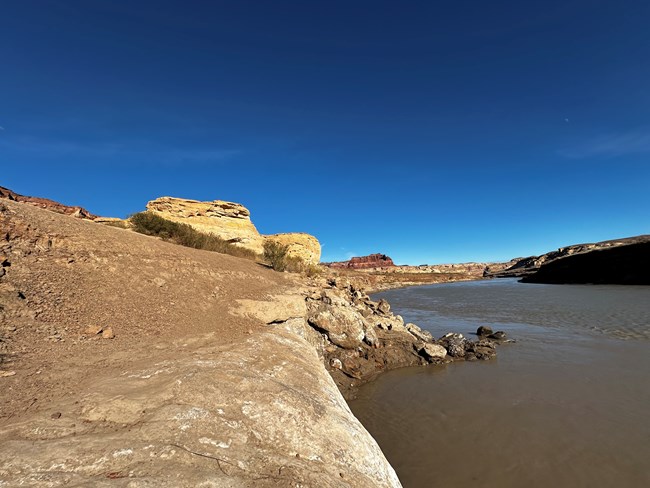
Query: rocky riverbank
x=129, y=361
x=358, y=338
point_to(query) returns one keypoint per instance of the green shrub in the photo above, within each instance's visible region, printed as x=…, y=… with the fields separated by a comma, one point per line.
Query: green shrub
x=277, y=256
x=153, y=225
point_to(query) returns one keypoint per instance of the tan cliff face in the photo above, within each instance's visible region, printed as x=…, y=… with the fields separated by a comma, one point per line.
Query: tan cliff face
x=231, y=221
x=227, y=220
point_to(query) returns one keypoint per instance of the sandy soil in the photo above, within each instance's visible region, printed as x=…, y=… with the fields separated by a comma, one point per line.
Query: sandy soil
x=64, y=275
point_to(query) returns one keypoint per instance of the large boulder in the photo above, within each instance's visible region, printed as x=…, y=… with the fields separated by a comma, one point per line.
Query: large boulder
x=423, y=335
x=455, y=344
x=344, y=326
x=300, y=245
x=434, y=351
x=228, y=220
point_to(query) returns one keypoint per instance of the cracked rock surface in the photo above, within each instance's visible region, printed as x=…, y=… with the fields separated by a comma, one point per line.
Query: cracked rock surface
x=219, y=416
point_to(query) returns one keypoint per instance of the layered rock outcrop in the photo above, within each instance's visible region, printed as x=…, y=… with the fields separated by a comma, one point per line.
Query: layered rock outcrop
x=228, y=220
x=377, y=262
x=232, y=222
x=376, y=275
x=47, y=204
x=364, y=262
x=627, y=264
x=525, y=267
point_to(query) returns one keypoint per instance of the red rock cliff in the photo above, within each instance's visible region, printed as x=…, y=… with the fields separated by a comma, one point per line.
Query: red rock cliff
x=371, y=261
x=47, y=204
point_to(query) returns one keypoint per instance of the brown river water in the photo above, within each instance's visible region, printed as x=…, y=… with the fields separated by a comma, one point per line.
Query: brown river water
x=567, y=405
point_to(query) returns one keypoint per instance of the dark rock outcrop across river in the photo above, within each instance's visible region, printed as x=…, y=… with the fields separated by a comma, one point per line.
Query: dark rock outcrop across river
x=621, y=265
x=620, y=261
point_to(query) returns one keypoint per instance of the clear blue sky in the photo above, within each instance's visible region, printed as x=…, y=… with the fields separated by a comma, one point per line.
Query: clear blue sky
x=430, y=131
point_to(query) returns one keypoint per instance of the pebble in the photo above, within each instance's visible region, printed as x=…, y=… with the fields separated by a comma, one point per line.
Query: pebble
x=93, y=330
x=336, y=363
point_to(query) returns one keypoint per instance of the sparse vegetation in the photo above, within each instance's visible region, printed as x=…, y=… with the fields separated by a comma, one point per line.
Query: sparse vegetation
x=277, y=256
x=121, y=224
x=312, y=270
x=152, y=225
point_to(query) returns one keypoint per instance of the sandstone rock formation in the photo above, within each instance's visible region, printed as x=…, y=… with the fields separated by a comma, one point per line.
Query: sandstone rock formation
x=47, y=204
x=388, y=277
x=364, y=262
x=300, y=245
x=218, y=417
x=228, y=220
x=474, y=270
x=382, y=263
x=232, y=222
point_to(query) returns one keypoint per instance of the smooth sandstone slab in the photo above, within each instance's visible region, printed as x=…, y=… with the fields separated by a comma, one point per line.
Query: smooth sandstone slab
x=278, y=309
x=263, y=413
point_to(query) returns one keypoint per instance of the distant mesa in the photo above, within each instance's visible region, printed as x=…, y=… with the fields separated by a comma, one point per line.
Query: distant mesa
x=47, y=204
x=232, y=222
x=364, y=262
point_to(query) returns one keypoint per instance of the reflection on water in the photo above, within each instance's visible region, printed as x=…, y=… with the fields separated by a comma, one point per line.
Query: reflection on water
x=566, y=406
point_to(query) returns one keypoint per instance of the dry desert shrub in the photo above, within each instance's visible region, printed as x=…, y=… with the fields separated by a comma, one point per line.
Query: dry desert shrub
x=277, y=256
x=153, y=225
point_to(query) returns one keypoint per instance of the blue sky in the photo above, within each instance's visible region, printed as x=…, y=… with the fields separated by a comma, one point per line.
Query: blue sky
x=430, y=131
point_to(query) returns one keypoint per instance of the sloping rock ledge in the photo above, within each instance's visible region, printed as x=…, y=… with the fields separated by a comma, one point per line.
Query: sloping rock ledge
x=263, y=414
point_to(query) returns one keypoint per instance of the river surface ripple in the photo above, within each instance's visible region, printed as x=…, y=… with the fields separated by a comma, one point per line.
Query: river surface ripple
x=568, y=405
